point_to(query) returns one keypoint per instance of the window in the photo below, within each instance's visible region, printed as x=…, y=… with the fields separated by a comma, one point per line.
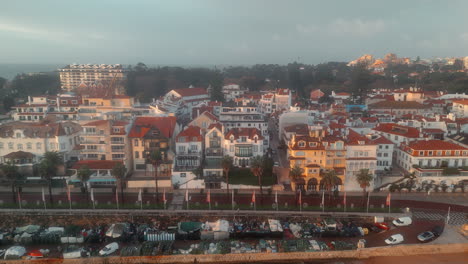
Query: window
x=38, y=146
x=380, y=146
x=385, y=154
x=63, y=146
x=19, y=146
x=181, y=149
x=457, y=153
x=1, y=145
x=135, y=143
x=243, y=139
x=92, y=156
x=183, y=175
x=137, y=155
x=10, y=145
x=301, y=144
x=312, y=144
x=421, y=153
x=64, y=101
x=255, y=148
x=231, y=149
x=90, y=130
x=29, y=145
x=379, y=154
x=429, y=153
x=194, y=147
x=75, y=101
x=116, y=129
x=18, y=135
x=91, y=147
x=117, y=148
x=118, y=156
x=386, y=146
x=300, y=153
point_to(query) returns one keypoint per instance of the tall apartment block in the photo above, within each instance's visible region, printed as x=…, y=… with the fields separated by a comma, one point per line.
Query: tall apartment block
x=75, y=75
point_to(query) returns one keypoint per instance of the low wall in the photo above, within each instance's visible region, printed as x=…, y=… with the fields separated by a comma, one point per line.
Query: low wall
x=403, y=250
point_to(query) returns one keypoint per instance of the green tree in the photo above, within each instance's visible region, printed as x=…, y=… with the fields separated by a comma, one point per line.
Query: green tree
x=364, y=178
x=257, y=166
x=8, y=103
x=226, y=163
x=48, y=168
x=156, y=159
x=361, y=78
x=329, y=180
x=84, y=173
x=119, y=171
x=296, y=172
x=10, y=172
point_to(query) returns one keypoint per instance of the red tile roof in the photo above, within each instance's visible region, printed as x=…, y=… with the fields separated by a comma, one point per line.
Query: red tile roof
x=210, y=116
x=191, y=91
x=354, y=138
x=343, y=94
x=191, y=134
x=248, y=132
x=96, y=164
x=217, y=125
x=142, y=125
x=282, y=91
x=433, y=145
x=396, y=129
x=463, y=102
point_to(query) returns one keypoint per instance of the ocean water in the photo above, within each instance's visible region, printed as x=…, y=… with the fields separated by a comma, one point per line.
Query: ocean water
x=9, y=71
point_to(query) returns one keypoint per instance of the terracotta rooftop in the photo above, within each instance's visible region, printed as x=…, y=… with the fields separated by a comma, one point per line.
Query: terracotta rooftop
x=396, y=129
x=190, y=134
x=185, y=92
x=433, y=145
x=142, y=125
x=463, y=102
x=39, y=130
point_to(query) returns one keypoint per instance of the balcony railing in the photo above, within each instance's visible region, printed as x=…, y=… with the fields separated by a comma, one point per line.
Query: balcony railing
x=214, y=152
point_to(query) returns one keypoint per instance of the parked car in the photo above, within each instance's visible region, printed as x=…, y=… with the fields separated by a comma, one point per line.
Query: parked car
x=276, y=164
x=403, y=221
x=437, y=230
x=395, y=239
x=426, y=236
x=382, y=226
x=109, y=249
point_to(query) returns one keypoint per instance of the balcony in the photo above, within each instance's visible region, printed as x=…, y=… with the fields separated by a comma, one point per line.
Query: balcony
x=189, y=153
x=214, y=152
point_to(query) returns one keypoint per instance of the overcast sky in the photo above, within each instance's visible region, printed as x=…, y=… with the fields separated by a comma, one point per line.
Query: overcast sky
x=228, y=32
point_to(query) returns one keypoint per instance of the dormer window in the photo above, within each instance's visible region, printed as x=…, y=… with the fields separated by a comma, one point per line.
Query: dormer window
x=361, y=142
x=116, y=130
x=312, y=144
x=155, y=133
x=301, y=144
x=18, y=135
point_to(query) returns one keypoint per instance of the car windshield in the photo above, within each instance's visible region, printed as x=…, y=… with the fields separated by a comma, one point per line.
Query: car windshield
x=392, y=239
x=106, y=249
x=427, y=234
x=399, y=221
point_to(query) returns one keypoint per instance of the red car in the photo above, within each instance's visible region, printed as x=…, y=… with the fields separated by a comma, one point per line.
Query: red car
x=383, y=226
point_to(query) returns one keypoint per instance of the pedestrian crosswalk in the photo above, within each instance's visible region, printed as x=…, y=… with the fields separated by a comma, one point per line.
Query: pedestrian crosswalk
x=455, y=218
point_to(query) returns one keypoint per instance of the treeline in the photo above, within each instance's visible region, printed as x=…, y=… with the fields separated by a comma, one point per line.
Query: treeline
x=24, y=85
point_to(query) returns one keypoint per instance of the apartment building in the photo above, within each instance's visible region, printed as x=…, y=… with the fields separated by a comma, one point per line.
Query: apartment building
x=235, y=115
x=279, y=100
x=242, y=144
x=232, y=91
x=384, y=152
x=189, y=156
x=213, y=171
x=59, y=107
x=74, y=75
x=120, y=106
x=399, y=108
x=431, y=154
x=181, y=101
x=106, y=140
x=23, y=143
x=361, y=153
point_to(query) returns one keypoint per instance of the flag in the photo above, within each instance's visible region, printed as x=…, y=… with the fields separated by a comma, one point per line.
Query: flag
x=68, y=193
x=389, y=197
x=208, y=197
x=300, y=197
x=253, y=197
x=140, y=199
x=344, y=199
x=276, y=197
x=323, y=199
x=186, y=195
x=116, y=196
x=43, y=195
x=92, y=194
x=164, y=196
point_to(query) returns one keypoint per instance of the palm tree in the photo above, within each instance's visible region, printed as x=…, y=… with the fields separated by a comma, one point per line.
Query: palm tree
x=329, y=179
x=83, y=174
x=10, y=172
x=296, y=172
x=48, y=168
x=156, y=159
x=364, y=178
x=226, y=163
x=257, y=166
x=119, y=171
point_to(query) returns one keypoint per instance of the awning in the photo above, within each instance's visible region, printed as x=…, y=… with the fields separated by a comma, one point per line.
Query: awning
x=19, y=155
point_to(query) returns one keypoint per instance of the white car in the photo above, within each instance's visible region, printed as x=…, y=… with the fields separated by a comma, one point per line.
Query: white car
x=395, y=239
x=403, y=221
x=109, y=249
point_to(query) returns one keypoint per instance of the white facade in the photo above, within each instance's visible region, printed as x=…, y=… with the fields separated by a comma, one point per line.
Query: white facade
x=232, y=91
x=460, y=108
x=243, y=144
x=359, y=157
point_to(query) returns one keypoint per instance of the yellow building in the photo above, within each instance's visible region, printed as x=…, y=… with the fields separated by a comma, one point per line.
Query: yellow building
x=95, y=107
x=315, y=155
